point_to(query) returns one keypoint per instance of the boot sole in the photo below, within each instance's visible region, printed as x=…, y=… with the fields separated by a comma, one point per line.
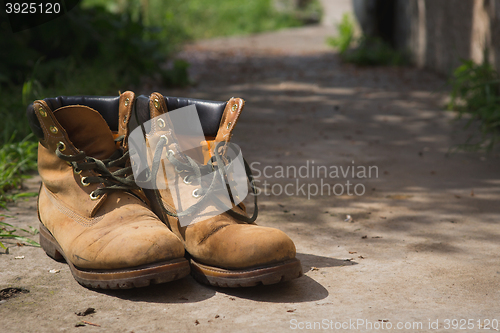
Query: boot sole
x=219, y=277
x=127, y=278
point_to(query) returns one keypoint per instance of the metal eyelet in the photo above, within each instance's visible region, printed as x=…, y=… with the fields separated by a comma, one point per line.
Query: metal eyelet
x=127, y=100
x=161, y=123
x=170, y=151
x=166, y=139
x=61, y=146
x=186, y=180
x=84, y=183
x=125, y=117
x=54, y=129
x=77, y=171
x=156, y=103
x=228, y=125
x=196, y=194
x=93, y=196
x=42, y=112
x=234, y=107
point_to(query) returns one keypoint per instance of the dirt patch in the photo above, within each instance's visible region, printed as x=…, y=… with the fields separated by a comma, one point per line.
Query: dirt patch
x=7, y=293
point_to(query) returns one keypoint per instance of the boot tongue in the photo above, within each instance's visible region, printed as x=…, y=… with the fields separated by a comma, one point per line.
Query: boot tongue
x=87, y=130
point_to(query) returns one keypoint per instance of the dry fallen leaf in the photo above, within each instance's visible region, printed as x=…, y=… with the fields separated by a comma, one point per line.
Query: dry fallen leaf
x=352, y=252
x=314, y=269
x=89, y=323
x=291, y=310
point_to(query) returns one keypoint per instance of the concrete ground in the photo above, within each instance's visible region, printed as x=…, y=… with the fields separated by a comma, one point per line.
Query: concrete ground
x=417, y=248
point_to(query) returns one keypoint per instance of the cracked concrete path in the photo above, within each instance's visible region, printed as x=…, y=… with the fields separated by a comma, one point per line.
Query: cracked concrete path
x=419, y=245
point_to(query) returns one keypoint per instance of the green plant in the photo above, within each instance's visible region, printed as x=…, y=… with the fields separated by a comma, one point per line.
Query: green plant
x=9, y=231
x=16, y=159
x=369, y=51
x=373, y=51
x=201, y=19
x=345, y=34
x=476, y=91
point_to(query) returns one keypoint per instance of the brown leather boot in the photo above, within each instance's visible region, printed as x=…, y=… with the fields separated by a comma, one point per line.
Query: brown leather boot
x=228, y=249
x=92, y=213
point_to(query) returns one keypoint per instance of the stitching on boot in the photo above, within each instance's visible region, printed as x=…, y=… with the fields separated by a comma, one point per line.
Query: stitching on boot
x=84, y=221
x=212, y=232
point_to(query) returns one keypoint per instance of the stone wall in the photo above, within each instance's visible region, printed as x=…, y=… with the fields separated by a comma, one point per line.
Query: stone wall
x=440, y=33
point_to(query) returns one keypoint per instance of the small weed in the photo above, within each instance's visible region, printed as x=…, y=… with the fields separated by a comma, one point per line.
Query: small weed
x=345, y=35
x=369, y=51
x=476, y=91
x=8, y=231
x=16, y=159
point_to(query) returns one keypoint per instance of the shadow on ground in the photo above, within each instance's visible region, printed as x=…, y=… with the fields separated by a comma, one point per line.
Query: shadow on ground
x=187, y=290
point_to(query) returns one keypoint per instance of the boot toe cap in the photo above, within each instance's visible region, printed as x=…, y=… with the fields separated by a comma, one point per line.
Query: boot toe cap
x=241, y=246
x=131, y=245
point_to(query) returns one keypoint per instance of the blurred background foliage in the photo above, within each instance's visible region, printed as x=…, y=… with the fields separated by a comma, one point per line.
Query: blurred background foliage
x=101, y=47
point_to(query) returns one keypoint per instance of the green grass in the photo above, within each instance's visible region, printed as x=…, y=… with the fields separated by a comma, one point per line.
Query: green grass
x=345, y=35
x=369, y=51
x=200, y=19
x=8, y=231
x=476, y=92
x=17, y=158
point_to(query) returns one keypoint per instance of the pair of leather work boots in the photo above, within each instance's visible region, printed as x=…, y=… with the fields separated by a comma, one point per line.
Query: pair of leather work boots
x=114, y=234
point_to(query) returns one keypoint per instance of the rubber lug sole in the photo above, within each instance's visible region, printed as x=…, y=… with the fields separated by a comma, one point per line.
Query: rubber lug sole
x=219, y=277
x=134, y=277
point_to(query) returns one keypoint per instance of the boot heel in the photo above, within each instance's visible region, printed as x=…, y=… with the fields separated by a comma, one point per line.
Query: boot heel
x=48, y=244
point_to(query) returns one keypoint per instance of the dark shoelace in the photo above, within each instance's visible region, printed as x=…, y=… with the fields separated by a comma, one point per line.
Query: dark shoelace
x=196, y=170
x=121, y=179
